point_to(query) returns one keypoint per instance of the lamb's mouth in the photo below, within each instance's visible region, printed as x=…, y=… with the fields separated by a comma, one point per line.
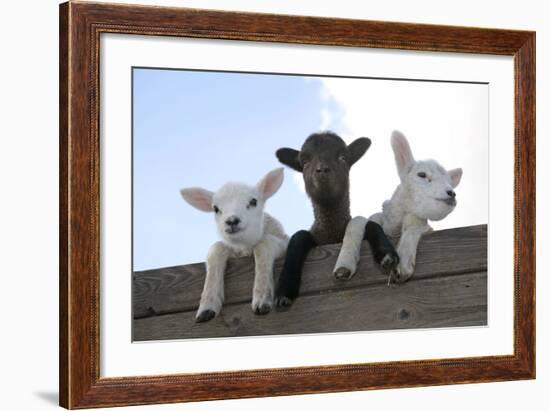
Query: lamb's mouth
x=322, y=179
x=449, y=201
x=233, y=230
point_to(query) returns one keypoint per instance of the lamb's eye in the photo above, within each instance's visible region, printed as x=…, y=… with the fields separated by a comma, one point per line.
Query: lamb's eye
x=342, y=158
x=216, y=209
x=421, y=174
x=253, y=203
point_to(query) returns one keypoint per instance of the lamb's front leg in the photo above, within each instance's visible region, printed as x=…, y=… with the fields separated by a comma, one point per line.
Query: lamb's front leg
x=412, y=230
x=288, y=286
x=346, y=265
x=383, y=250
x=265, y=254
x=213, y=294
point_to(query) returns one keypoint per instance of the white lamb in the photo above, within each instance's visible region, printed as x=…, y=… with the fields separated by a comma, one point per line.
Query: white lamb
x=426, y=192
x=245, y=229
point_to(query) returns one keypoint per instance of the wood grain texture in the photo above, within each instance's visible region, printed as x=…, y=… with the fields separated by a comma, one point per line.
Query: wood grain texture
x=64, y=300
x=169, y=21
x=525, y=205
x=80, y=27
x=176, y=289
x=449, y=301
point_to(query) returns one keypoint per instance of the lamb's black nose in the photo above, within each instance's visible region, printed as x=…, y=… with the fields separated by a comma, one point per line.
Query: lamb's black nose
x=451, y=193
x=232, y=221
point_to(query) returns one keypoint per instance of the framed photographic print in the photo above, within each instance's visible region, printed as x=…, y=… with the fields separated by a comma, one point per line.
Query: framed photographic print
x=258, y=205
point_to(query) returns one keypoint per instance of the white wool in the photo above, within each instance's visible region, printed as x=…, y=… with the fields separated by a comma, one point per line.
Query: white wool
x=254, y=232
x=425, y=193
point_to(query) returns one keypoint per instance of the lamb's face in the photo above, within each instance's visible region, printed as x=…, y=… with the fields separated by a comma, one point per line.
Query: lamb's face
x=325, y=168
x=238, y=212
x=431, y=189
x=238, y=208
x=325, y=161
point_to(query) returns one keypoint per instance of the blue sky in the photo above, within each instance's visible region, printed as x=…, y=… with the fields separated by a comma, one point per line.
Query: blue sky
x=198, y=128
x=203, y=129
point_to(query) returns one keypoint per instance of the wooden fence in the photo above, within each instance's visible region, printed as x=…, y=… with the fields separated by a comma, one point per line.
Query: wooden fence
x=448, y=289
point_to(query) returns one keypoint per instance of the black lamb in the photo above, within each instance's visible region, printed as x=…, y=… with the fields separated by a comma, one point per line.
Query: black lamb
x=325, y=161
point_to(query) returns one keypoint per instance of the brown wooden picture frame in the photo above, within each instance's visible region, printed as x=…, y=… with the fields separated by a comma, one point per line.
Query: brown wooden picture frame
x=80, y=27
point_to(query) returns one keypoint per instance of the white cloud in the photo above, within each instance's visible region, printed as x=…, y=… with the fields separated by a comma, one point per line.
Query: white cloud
x=326, y=119
x=299, y=181
x=444, y=121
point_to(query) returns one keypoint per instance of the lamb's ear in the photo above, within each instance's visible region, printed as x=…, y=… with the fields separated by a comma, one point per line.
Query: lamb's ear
x=272, y=181
x=357, y=148
x=289, y=157
x=198, y=197
x=404, y=159
x=456, y=175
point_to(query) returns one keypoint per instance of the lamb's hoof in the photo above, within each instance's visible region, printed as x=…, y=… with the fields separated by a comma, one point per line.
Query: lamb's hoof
x=400, y=278
x=389, y=262
x=283, y=303
x=262, y=309
x=342, y=274
x=204, y=316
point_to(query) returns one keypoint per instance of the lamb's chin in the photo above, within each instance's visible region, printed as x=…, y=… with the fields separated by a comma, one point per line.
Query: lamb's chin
x=242, y=238
x=234, y=237
x=434, y=211
x=442, y=211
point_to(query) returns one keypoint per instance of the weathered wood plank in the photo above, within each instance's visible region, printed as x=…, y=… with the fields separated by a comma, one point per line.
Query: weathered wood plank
x=177, y=289
x=448, y=301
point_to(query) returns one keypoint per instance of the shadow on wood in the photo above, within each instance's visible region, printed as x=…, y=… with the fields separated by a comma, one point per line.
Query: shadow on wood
x=448, y=289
